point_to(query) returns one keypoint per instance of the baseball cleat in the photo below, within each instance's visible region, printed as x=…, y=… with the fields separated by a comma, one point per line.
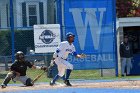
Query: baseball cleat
x=67, y=83
x=51, y=83
x=3, y=86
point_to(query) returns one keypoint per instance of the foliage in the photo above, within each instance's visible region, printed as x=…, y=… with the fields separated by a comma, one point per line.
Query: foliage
x=4, y=44
x=127, y=8
x=23, y=39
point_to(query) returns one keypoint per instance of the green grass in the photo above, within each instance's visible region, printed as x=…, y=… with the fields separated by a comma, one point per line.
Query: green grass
x=30, y=73
x=76, y=74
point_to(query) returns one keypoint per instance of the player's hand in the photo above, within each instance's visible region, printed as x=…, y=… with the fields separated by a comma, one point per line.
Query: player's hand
x=52, y=62
x=44, y=68
x=83, y=55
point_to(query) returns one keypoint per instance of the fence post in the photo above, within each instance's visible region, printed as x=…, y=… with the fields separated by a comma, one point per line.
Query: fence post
x=6, y=63
x=12, y=29
x=45, y=59
x=115, y=37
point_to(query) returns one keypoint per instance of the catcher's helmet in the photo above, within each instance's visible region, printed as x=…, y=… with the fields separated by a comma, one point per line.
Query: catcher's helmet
x=19, y=55
x=69, y=34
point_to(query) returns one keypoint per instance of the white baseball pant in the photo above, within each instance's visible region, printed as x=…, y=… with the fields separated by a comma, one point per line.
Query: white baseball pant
x=62, y=65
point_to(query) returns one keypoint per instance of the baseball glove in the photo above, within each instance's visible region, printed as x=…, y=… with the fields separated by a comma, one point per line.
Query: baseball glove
x=83, y=55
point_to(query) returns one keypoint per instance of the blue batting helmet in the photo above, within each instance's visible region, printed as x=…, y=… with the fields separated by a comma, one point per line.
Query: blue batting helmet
x=69, y=34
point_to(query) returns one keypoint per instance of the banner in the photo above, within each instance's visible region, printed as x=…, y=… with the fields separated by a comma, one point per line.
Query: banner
x=46, y=38
x=92, y=22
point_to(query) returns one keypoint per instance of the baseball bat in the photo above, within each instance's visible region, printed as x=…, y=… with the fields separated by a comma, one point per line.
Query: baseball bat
x=37, y=77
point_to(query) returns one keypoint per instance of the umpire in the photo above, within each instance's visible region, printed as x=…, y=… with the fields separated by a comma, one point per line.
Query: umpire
x=18, y=71
x=126, y=55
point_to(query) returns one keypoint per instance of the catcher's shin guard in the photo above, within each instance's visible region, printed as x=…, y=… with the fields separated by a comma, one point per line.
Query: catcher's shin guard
x=7, y=79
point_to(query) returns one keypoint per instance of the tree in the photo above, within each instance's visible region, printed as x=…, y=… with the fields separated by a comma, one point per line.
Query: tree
x=127, y=8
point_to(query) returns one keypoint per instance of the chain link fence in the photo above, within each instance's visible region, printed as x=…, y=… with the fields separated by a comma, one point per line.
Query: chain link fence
x=26, y=14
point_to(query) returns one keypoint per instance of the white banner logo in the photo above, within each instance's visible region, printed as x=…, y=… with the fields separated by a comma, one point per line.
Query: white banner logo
x=46, y=37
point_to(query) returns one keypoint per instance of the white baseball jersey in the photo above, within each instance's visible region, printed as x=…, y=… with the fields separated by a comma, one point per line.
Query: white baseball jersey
x=65, y=49
x=61, y=55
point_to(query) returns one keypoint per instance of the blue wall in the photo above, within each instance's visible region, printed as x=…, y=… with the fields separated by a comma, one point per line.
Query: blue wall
x=92, y=22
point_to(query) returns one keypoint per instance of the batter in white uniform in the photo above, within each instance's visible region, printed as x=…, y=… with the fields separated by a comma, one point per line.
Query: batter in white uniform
x=60, y=58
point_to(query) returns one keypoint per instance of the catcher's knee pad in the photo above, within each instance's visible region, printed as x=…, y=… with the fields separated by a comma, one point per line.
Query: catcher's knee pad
x=29, y=82
x=11, y=75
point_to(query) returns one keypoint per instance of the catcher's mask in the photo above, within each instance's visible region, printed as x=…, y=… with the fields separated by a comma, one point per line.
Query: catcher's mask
x=19, y=56
x=68, y=35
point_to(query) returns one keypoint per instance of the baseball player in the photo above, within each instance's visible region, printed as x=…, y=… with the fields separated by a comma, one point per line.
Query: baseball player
x=18, y=71
x=60, y=58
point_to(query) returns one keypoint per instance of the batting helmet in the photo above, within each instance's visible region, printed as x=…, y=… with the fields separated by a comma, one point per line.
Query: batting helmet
x=19, y=55
x=69, y=34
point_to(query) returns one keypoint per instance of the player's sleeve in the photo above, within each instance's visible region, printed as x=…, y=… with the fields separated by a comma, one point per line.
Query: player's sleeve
x=58, y=50
x=29, y=64
x=121, y=50
x=13, y=67
x=60, y=47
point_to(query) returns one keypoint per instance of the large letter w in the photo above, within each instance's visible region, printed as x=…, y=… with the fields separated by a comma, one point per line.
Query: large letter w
x=91, y=20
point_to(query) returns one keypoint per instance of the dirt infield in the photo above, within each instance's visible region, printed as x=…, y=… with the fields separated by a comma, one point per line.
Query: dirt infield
x=130, y=84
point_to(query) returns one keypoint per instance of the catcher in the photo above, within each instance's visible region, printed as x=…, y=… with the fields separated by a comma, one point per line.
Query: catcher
x=18, y=71
x=60, y=58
